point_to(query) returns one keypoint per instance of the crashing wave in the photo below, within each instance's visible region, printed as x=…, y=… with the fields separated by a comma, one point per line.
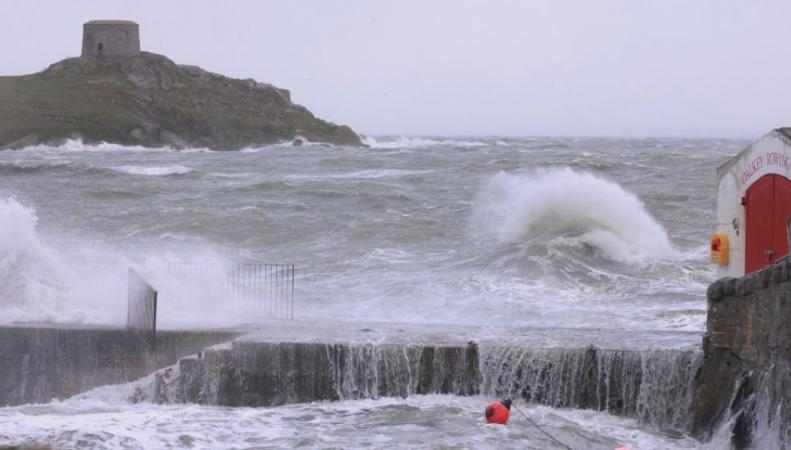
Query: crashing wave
x=573, y=208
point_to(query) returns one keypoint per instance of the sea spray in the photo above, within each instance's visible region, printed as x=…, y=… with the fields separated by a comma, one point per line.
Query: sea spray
x=568, y=207
x=41, y=283
x=30, y=272
x=376, y=233
x=45, y=280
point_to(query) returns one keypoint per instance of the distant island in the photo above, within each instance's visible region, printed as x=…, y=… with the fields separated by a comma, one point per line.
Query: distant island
x=115, y=93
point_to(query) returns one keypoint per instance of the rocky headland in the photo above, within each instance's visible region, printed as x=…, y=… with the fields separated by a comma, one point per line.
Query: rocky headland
x=149, y=100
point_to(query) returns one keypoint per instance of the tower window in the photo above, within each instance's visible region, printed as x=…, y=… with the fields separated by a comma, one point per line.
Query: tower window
x=100, y=48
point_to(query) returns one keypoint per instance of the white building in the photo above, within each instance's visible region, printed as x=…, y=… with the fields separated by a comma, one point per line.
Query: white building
x=754, y=205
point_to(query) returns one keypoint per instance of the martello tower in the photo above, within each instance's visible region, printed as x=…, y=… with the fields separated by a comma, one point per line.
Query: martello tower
x=110, y=38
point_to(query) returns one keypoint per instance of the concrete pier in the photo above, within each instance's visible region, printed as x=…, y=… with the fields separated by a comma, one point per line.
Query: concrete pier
x=647, y=375
x=40, y=362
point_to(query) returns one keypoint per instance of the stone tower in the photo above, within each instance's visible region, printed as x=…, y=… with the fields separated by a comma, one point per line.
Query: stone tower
x=110, y=38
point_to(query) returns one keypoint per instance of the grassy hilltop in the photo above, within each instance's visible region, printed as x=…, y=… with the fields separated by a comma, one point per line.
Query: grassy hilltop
x=149, y=100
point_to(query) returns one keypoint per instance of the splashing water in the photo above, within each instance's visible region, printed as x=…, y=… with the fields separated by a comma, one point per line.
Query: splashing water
x=571, y=207
x=39, y=283
x=31, y=279
x=449, y=230
x=412, y=229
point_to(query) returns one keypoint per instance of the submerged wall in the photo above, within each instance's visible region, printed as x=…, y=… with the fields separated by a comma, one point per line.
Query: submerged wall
x=744, y=387
x=41, y=363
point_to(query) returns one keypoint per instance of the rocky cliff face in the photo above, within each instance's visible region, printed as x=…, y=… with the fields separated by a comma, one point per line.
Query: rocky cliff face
x=744, y=386
x=149, y=100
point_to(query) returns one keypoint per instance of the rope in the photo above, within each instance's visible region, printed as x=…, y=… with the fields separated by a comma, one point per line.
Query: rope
x=541, y=429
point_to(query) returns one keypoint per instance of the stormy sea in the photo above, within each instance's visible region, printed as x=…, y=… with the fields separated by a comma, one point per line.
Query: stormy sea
x=471, y=231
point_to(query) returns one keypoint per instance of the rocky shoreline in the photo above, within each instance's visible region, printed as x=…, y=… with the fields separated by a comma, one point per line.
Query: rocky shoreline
x=149, y=100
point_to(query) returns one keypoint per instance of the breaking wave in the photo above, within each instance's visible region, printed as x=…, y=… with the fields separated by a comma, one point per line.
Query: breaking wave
x=36, y=166
x=30, y=167
x=33, y=278
x=567, y=207
x=77, y=145
x=362, y=174
x=87, y=283
x=412, y=142
x=156, y=171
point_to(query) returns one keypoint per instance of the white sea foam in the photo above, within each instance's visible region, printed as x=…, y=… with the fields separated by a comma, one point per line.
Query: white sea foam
x=412, y=142
x=263, y=148
x=155, y=171
x=284, y=144
x=362, y=174
x=103, y=419
x=571, y=208
x=78, y=146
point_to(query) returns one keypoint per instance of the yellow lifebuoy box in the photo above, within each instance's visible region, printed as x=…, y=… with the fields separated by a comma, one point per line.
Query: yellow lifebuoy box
x=719, y=248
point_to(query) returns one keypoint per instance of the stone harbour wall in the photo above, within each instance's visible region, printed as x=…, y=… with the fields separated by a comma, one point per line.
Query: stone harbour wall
x=744, y=384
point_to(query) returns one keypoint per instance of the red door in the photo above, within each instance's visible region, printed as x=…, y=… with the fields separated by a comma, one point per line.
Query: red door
x=767, y=209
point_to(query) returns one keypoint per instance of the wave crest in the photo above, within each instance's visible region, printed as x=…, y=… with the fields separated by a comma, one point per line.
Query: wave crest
x=417, y=142
x=572, y=208
x=155, y=171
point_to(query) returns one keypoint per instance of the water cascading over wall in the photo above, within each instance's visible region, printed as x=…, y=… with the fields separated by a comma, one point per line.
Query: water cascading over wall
x=654, y=386
x=276, y=373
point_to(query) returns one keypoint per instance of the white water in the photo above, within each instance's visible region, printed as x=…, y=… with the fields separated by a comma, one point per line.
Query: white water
x=104, y=419
x=485, y=234
x=154, y=170
x=575, y=208
x=420, y=142
x=460, y=230
x=530, y=232
x=39, y=283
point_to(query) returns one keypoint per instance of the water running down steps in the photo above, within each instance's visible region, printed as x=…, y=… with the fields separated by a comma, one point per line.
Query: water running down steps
x=294, y=362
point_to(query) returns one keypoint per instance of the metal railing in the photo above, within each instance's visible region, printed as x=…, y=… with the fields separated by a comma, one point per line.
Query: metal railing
x=269, y=287
x=141, y=308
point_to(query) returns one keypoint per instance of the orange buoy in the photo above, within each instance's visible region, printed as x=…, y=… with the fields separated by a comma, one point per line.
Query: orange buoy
x=498, y=412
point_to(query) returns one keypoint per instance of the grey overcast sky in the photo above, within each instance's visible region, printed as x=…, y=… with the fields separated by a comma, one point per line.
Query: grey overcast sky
x=546, y=68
